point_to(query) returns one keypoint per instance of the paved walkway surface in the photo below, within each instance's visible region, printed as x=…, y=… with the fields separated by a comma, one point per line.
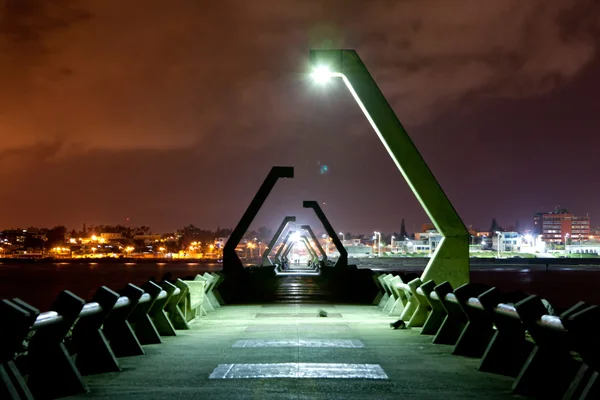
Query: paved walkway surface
x=217, y=344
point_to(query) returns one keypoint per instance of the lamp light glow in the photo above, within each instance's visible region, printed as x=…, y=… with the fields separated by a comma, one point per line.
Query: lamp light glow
x=321, y=74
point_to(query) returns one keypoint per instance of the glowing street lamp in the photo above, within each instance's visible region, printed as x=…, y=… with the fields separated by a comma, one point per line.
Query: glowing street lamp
x=499, y=241
x=343, y=237
x=378, y=234
x=450, y=261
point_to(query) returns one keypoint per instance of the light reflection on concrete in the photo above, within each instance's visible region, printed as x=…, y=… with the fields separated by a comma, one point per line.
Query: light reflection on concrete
x=298, y=370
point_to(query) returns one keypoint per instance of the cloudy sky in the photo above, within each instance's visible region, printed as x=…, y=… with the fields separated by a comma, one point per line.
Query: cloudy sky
x=172, y=112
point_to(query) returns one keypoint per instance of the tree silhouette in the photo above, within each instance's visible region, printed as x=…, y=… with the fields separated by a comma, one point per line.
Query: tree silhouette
x=403, y=233
x=495, y=227
x=55, y=237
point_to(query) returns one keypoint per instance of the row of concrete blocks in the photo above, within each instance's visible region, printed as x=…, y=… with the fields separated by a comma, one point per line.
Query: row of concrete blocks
x=45, y=355
x=550, y=357
x=204, y=295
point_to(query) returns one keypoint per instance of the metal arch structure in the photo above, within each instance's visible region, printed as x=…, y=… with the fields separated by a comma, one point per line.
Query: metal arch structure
x=282, y=247
x=266, y=261
x=288, y=248
x=450, y=261
x=317, y=244
x=309, y=248
x=342, y=261
x=231, y=261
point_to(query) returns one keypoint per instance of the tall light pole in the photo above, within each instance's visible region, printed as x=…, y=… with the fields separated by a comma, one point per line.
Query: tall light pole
x=499, y=241
x=450, y=261
x=343, y=237
x=392, y=243
x=378, y=243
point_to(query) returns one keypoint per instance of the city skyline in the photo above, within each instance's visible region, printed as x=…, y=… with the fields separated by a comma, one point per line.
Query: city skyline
x=180, y=124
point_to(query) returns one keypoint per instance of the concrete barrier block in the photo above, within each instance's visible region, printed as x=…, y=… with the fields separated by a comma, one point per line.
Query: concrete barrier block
x=386, y=294
x=206, y=304
x=392, y=299
x=479, y=330
x=140, y=321
x=15, y=323
x=93, y=352
x=380, y=291
x=195, y=299
x=437, y=314
x=395, y=284
x=421, y=305
x=455, y=320
x=221, y=279
x=508, y=349
x=582, y=322
x=52, y=370
x=176, y=306
x=158, y=313
x=550, y=368
x=117, y=329
x=212, y=282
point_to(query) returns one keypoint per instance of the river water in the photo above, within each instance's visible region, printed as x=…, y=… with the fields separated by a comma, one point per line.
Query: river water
x=38, y=284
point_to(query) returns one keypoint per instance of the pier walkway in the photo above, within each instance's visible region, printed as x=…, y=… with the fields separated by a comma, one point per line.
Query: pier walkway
x=205, y=361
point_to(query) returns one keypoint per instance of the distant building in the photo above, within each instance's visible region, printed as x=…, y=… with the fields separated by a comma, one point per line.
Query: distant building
x=111, y=236
x=583, y=248
x=509, y=241
x=560, y=224
x=147, y=238
x=220, y=242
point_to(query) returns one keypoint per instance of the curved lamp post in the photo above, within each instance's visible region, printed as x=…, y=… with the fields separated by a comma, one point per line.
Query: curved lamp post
x=450, y=261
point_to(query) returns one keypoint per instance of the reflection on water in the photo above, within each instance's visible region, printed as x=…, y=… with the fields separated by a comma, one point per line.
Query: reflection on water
x=38, y=284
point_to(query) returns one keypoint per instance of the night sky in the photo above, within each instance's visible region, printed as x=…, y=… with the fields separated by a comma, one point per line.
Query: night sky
x=170, y=113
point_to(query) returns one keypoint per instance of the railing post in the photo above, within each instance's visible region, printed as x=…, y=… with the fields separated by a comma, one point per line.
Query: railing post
x=455, y=320
x=479, y=330
x=94, y=354
x=438, y=313
x=550, y=368
x=508, y=350
x=583, y=326
x=117, y=328
x=158, y=314
x=140, y=320
x=421, y=312
x=15, y=322
x=52, y=371
x=173, y=308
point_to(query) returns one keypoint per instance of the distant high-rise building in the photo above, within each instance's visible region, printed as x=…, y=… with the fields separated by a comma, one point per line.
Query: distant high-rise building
x=559, y=225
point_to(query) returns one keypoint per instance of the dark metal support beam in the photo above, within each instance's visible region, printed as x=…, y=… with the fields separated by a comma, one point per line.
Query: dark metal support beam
x=317, y=244
x=342, y=261
x=266, y=261
x=283, y=244
x=231, y=261
x=286, y=246
x=310, y=249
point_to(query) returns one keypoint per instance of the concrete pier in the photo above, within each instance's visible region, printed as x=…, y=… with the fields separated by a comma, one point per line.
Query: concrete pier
x=180, y=367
